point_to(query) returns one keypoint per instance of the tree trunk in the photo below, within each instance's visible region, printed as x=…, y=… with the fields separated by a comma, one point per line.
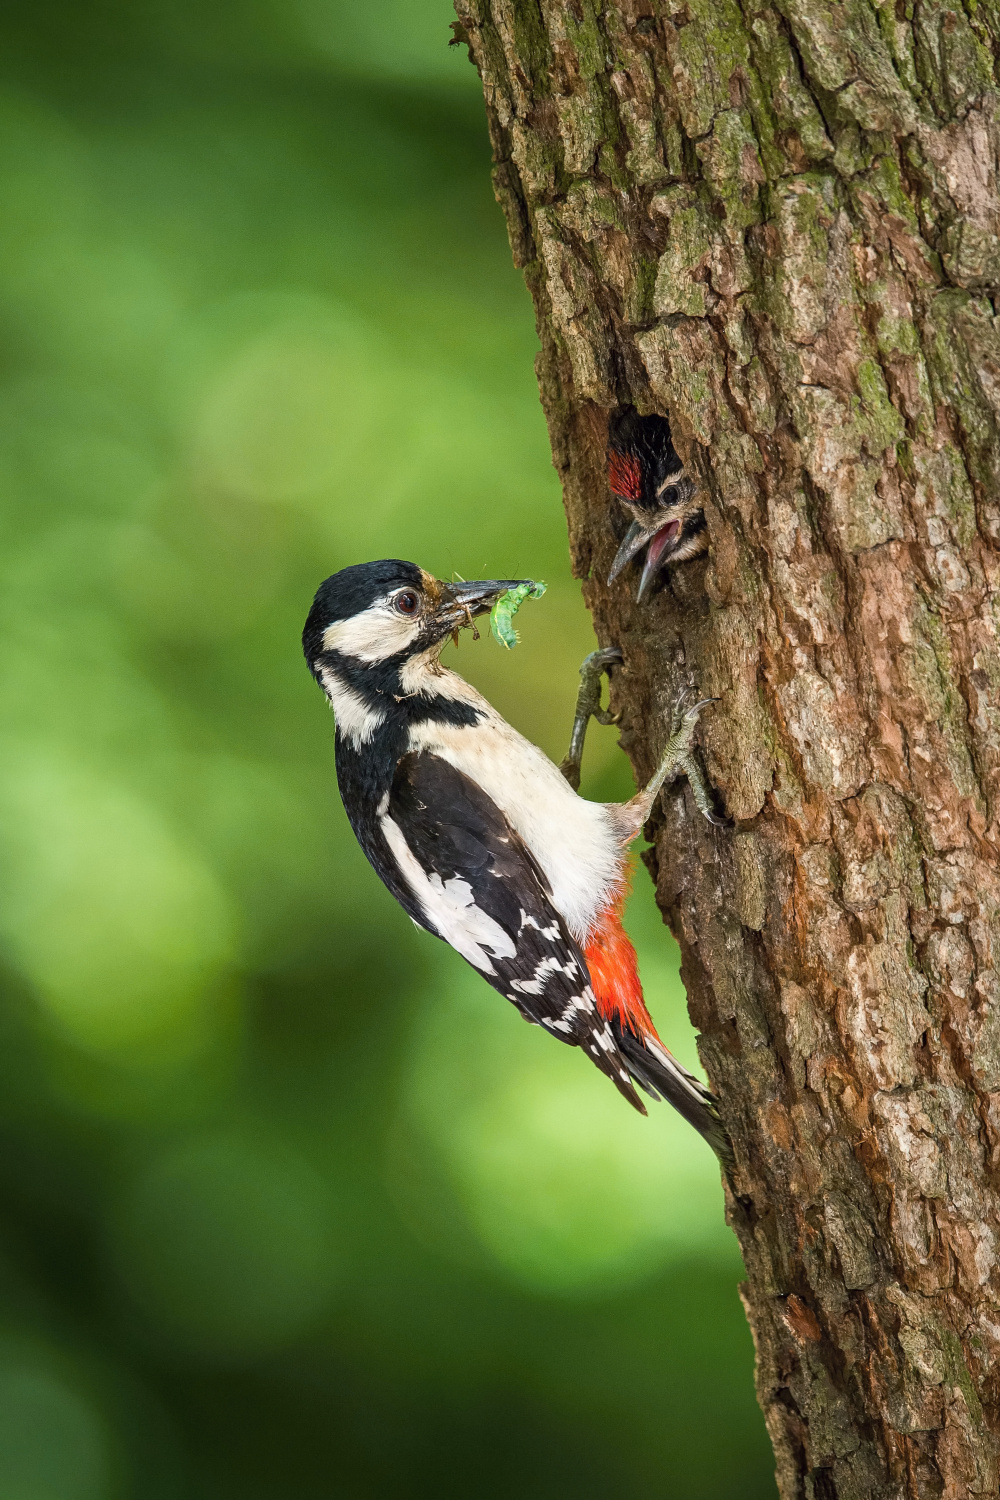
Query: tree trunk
x=781, y=229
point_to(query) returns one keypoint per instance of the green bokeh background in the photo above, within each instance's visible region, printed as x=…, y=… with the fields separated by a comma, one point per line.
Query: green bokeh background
x=293, y=1207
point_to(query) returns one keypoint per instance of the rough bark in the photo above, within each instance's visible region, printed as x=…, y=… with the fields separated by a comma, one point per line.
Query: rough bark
x=780, y=227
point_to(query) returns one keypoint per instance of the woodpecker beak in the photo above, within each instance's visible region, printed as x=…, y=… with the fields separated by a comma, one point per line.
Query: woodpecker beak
x=462, y=602
x=662, y=544
x=660, y=536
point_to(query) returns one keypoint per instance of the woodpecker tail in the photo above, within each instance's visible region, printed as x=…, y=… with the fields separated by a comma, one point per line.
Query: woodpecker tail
x=614, y=976
x=661, y=1075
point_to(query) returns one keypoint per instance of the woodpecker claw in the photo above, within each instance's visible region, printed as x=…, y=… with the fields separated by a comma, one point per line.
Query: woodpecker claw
x=680, y=709
x=693, y=712
x=678, y=756
x=588, y=706
x=700, y=792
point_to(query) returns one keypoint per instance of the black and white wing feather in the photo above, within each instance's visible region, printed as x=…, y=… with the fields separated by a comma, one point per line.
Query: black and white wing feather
x=473, y=882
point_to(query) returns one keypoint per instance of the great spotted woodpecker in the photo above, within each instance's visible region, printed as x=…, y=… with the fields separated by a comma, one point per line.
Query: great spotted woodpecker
x=479, y=837
x=646, y=474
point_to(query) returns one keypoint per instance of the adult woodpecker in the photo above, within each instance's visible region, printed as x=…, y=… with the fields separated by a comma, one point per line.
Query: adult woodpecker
x=479, y=837
x=646, y=474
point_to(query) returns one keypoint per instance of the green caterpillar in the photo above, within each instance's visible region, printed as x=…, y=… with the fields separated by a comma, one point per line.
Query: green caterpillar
x=506, y=607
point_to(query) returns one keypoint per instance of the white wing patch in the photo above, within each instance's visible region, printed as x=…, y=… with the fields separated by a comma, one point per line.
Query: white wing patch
x=449, y=906
x=551, y=932
x=544, y=967
x=584, y=1004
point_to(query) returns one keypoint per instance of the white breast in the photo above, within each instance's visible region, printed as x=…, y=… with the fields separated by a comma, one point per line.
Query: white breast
x=572, y=840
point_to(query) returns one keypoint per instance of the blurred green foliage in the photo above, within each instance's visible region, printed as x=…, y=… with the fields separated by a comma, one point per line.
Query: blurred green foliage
x=292, y=1204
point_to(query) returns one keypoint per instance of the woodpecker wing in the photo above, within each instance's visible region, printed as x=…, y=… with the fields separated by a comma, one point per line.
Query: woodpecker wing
x=479, y=888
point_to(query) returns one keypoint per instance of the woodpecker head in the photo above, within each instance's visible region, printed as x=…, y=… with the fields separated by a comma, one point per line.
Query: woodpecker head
x=646, y=474
x=386, y=613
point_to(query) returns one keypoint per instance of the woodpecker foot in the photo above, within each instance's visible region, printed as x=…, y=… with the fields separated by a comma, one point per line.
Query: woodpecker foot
x=687, y=762
x=700, y=792
x=588, y=706
x=678, y=757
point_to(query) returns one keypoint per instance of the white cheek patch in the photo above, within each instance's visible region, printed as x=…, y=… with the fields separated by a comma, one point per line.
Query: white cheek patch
x=355, y=720
x=376, y=633
x=449, y=905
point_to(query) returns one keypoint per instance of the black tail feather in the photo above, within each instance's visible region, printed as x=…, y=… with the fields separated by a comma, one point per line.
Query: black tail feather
x=663, y=1077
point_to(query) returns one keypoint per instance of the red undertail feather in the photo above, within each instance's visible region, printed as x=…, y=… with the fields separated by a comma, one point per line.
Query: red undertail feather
x=614, y=973
x=614, y=978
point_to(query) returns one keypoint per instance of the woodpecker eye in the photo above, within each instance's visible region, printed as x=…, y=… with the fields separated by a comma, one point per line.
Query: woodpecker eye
x=407, y=603
x=670, y=496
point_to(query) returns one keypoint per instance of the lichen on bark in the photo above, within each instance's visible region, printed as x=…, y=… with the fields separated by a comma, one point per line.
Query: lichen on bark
x=779, y=224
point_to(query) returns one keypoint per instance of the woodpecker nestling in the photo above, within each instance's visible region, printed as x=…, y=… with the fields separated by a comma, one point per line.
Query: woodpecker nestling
x=479, y=837
x=646, y=474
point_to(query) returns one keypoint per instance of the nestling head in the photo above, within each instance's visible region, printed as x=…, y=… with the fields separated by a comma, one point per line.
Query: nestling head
x=389, y=611
x=646, y=475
